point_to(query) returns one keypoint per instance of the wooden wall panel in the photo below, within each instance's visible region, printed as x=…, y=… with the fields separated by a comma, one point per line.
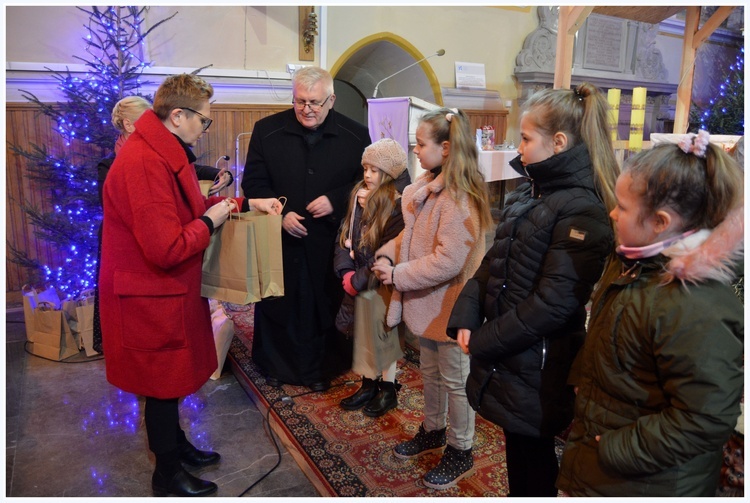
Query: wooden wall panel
x=24, y=126
x=495, y=118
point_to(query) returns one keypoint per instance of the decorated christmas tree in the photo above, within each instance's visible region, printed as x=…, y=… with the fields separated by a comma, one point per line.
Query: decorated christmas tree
x=725, y=114
x=114, y=65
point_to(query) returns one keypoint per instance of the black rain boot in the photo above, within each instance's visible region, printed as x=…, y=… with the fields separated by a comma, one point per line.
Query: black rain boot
x=384, y=401
x=363, y=395
x=171, y=479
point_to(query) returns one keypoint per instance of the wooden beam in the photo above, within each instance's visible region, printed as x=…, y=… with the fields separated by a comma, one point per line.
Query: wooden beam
x=687, y=70
x=576, y=18
x=650, y=14
x=568, y=21
x=710, y=26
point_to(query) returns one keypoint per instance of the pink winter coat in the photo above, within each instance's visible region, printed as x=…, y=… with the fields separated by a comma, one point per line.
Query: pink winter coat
x=156, y=328
x=438, y=251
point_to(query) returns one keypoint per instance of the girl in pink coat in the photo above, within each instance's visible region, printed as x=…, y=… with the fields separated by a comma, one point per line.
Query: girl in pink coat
x=446, y=214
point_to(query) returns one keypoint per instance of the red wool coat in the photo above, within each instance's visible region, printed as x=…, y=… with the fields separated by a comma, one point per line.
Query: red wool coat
x=156, y=328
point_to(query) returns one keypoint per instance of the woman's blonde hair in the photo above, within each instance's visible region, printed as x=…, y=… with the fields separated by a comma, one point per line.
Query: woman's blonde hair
x=461, y=167
x=581, y=114
x=378, y=209
x=131, y=108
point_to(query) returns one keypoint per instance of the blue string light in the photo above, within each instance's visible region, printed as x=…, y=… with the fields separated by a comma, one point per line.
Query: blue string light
x=84, y=120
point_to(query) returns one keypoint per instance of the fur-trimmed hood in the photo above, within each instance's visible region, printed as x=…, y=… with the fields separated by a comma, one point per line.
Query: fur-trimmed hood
x=709, y=254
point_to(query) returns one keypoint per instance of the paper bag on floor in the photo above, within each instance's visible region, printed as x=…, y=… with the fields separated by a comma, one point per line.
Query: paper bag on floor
x=223, y=328
x=81, y=321
x=51, y=336
x=31, y=297
x=230, y=269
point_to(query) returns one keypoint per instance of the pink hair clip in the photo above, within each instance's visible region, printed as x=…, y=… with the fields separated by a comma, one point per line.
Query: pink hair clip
x=449, y=115
x=695, y=144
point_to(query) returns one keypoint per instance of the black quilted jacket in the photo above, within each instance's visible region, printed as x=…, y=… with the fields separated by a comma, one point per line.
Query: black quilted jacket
x=526, y=303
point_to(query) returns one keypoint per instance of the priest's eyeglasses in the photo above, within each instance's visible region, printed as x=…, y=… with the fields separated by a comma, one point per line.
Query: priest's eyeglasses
x=314, y=106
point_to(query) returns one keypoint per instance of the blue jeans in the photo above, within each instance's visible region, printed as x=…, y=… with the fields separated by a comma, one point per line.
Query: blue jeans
x=445, y=369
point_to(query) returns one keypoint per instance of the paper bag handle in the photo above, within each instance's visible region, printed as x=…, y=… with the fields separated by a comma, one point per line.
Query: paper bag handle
x=238, y=215
x=86, y=297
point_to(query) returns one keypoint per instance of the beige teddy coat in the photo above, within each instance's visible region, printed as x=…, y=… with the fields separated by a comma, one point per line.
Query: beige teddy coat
x=440, y=248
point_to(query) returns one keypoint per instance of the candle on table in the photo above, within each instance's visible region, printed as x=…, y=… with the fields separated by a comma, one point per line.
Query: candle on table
x=613, y=97
x=637, y=119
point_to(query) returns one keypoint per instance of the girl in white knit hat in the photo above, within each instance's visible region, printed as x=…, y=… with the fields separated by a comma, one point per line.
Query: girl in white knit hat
x=373, y=218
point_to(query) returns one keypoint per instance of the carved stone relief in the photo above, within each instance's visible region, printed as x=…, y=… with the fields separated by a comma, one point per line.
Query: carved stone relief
x=649, y=62
x=539, y=48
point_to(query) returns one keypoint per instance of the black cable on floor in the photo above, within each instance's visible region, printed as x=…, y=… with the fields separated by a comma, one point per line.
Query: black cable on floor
x=276, y=446
x=285, y=400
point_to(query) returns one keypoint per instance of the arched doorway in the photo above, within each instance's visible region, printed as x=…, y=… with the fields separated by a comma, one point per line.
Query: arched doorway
x=372, y=59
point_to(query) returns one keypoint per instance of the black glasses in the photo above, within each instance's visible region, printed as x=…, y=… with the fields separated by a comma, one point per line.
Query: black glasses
x=314, y=106
x=205, y=121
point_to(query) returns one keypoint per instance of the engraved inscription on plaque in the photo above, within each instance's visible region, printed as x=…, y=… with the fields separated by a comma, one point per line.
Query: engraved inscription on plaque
x=604, y=48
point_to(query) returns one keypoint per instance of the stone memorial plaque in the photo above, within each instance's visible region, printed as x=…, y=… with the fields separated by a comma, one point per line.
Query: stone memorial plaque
x=605, y=42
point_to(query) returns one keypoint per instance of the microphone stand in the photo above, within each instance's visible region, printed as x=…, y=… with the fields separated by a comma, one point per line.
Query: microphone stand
x=438, y=53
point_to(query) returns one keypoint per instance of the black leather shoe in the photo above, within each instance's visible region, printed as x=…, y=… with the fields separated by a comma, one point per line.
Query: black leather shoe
x=363, y=395
x=319, y=385
x=273, y=382
x=196, y=458
x=384, y=401
x=181, y=484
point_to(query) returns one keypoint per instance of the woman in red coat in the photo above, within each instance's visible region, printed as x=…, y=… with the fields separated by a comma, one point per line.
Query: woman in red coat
x=156, y=227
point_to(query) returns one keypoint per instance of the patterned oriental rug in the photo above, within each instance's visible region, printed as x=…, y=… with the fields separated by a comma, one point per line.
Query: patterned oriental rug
x=345, y=453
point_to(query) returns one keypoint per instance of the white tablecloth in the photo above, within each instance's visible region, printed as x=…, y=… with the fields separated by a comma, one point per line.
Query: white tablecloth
x=494, y=164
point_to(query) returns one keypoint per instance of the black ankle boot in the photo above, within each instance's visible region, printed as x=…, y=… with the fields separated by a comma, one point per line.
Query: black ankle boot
x=384, y=401
x=363, y=395
x=171, y=479
x=194, y=457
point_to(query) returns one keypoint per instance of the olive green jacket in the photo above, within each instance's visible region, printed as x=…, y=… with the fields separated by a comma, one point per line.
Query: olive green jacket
x=659, y=381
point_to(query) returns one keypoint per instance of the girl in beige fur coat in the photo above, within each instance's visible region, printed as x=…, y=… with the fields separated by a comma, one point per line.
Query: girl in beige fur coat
x=445, y=213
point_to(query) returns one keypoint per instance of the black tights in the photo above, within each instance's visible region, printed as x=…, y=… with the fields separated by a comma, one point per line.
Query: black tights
x=163, y=425
x=532, y=465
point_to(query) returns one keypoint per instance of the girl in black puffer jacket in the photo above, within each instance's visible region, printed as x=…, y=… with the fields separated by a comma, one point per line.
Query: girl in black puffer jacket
x=522, y=315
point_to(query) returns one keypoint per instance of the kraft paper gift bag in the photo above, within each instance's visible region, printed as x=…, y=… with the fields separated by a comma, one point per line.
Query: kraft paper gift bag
x=230, y=270
x=51, y=337
x=376, y=345
x=31, y=297
x=82, y=322
x=267, y=250
x=223, y=328
x=69, y=311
